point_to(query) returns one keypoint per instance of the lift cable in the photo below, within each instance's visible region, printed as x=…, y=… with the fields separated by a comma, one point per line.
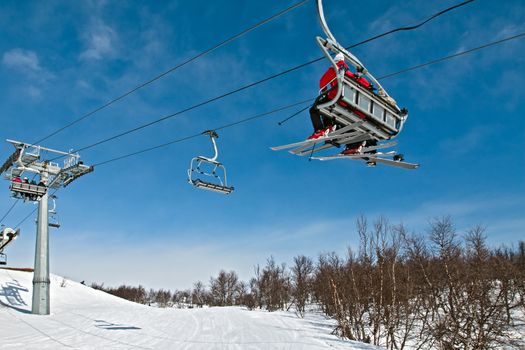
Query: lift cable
x=245, y=87
x=412, y=27
x=514, y=37
x=309, y=100
x=25, y=218
x=517, y=36
x=446, y=58
x=200, y=133
x=171, y=70
x=8, y=211
x=181, y=140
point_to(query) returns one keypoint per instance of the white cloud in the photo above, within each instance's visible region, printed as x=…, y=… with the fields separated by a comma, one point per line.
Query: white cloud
x=27, y=63
x=22, y=60
x=494, y=212
x=469, y=141
x=100, y=42
x=33, y=92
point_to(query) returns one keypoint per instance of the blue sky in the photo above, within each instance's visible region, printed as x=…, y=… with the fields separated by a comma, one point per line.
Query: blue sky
x=137, y=220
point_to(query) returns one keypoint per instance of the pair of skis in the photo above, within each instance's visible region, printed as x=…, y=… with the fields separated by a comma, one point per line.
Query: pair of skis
x=373, y=158
x=346, y=135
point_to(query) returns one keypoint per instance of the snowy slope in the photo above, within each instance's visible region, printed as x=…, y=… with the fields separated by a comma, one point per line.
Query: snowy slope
x=84, y=318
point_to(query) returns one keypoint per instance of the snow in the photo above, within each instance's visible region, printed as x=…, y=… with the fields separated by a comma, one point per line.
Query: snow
x=84, y=318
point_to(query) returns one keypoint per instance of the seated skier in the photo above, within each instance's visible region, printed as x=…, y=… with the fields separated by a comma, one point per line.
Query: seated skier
x=328, y=84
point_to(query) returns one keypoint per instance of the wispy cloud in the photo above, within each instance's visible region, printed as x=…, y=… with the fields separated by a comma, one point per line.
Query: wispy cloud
x=25, y=61
x=468, y=141
x=496, y=212
x=100, y=41
x=33, y=92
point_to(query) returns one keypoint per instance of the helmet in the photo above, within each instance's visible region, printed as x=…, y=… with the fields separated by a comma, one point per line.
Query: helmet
x=339, y=57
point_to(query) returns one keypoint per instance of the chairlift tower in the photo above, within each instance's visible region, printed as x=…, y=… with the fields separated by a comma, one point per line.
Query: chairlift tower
x=28, y=158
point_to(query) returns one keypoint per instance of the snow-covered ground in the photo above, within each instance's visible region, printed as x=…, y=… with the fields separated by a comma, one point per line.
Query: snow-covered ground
x=84, y=318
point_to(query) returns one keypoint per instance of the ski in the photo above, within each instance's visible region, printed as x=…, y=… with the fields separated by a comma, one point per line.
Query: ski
x=381, y=146
x=357, y=156
x=395, y=163
x=375, y=158
x=350, y=138
x=365, y=150
x=334, y=135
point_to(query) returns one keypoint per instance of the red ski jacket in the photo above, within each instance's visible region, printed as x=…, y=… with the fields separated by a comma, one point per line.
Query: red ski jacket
x=329, y=78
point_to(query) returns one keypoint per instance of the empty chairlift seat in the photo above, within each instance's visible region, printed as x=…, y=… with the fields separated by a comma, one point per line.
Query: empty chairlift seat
x=207, y=173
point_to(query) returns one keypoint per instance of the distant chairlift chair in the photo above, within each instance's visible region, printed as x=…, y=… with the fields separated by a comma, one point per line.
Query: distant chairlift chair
x=53, y=215
x=213, y=174
x=7, y=235
x=27, y=191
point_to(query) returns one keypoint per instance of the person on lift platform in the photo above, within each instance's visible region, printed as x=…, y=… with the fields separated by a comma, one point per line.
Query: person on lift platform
x=328, y=85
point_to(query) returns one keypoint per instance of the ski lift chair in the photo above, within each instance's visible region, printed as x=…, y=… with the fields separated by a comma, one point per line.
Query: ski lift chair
x=53, y=217
x=7, y=235
x=353, y=102
x=207, y=173
x=364, y=119
x=27, y=191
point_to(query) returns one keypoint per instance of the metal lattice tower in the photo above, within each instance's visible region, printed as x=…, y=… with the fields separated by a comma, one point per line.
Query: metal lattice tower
x=29, y=158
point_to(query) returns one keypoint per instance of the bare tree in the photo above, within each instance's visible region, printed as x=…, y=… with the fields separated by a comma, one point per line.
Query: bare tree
x=218, y=289
x=223, y=289
x=274, y=285
x=198, y=294
x=301, y=281
x=163, y=298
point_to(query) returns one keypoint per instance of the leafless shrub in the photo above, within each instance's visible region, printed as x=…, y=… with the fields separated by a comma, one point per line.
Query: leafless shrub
x=402, y=290
x=198, y=294
x=302, y=271
x=224, y=288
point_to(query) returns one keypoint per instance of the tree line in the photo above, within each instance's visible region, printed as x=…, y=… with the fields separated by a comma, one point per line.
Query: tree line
x=397, y=289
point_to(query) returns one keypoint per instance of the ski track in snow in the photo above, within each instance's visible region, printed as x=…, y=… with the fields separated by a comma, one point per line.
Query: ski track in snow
x=84, y=318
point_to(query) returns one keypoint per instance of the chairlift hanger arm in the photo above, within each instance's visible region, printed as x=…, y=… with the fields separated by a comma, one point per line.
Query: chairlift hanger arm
x=329, y=34
x=322, y=19
x=332, y=44
x=213, y=135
